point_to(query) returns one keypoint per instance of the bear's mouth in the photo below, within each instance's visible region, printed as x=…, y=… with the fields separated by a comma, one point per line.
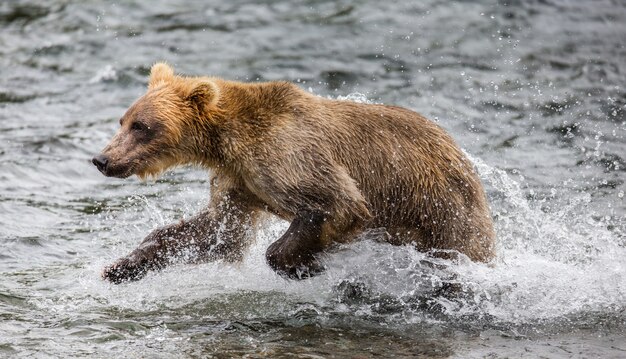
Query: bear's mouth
x=140, y=167
x=123, y=171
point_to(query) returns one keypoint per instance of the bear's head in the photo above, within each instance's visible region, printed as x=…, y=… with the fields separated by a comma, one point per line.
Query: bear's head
x=166, y=127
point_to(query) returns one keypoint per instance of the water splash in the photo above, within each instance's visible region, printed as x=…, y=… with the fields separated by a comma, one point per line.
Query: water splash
x=551, y=266
x=550, y=263
x=354, y=97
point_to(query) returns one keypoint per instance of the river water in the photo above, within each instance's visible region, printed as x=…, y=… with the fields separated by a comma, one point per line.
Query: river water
x=532, y=90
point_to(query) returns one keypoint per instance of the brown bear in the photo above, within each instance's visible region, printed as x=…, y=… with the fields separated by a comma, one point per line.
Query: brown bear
x=334, y=169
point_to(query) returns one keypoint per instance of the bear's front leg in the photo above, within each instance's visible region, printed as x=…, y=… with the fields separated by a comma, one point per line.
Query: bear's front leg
x=218, y=233
x=150, y=255
x=293, y=255
x=327, y=208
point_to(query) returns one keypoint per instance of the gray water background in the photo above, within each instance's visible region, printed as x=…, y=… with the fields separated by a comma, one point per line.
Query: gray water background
x=532, y=90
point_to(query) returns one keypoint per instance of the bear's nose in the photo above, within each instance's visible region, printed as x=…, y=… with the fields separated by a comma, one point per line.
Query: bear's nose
x=101, y=162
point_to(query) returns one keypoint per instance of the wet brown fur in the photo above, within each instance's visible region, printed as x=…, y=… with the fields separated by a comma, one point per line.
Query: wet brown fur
x=348, y=166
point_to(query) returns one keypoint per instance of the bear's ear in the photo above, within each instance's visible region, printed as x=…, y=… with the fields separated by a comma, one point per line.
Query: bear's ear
x=160, y=73
x=203, y=94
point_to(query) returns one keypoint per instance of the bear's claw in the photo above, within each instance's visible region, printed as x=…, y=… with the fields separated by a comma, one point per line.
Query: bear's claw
x=302, y=271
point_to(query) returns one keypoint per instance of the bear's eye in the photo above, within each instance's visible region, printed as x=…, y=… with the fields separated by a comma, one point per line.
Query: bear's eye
x=137, y=126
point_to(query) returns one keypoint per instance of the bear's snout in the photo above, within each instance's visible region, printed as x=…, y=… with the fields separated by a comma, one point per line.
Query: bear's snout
x=101, y=162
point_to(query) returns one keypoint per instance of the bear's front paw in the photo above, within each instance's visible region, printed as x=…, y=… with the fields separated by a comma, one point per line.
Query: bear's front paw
x=150, y=255
x=125, y=270
x=294, y=268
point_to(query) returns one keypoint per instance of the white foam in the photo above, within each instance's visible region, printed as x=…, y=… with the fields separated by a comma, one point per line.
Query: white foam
x=105, y=74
